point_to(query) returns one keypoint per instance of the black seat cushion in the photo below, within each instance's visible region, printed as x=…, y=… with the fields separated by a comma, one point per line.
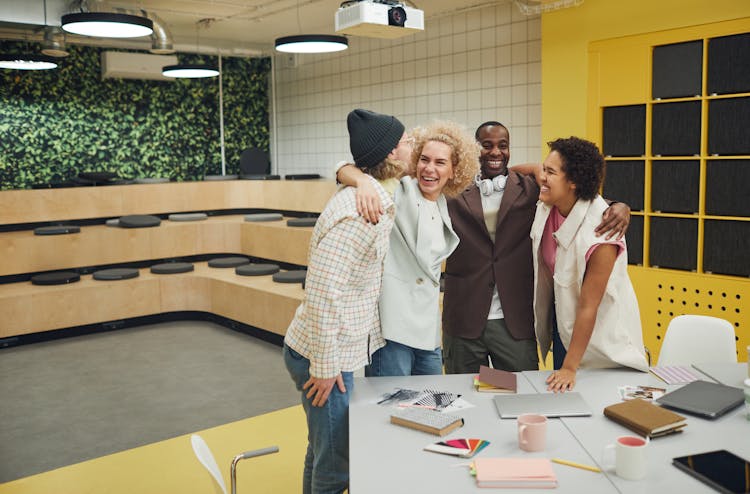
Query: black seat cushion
x=228, y=262
x=56, y=278
x=254, y=269
x=139, y=221
x=264, y=217
x=116, y=274
x=188, y=217
x=301, y=222
x=56, y=230
x=172, y=268
x=213, y=178
x=151, y=180
x=113, y=222
x=251, y=176
x=302, y=176
x=297, y=276
x=98, y=177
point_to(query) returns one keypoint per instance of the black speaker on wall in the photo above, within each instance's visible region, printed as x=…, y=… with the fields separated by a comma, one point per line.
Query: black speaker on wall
x=634, y=240
x=726, y=247
x=673, y=243
x=728, y=124
x=675, y=186
x=624, y=130
x=676, y=129
x=729, y=64
x=726, y=187
x=624, y=182
x=677, y=70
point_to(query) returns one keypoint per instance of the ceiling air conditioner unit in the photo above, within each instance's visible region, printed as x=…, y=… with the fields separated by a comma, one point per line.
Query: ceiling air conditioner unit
x=378, y=19
x=130, y=65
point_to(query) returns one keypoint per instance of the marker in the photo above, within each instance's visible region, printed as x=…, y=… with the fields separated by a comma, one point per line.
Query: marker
x=576, y=465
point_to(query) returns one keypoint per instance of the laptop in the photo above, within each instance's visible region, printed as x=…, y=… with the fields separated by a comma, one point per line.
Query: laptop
x=704, y=399
x=568, y=404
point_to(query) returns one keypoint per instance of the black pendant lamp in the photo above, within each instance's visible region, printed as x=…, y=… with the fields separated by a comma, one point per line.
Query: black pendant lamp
x=107, y=25
x=194, y=70
x=312, y=43
x=27, y=62
x=189, y=71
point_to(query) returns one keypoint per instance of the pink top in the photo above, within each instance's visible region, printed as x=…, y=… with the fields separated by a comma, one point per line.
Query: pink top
x=549, y=244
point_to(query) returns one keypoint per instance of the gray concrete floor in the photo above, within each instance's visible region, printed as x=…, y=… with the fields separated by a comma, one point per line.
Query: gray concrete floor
x=71, y=400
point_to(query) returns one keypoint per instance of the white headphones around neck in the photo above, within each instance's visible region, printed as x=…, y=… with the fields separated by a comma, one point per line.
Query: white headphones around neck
x=487, y=186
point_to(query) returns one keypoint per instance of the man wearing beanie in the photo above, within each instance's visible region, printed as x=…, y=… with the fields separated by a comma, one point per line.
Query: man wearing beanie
x=337, y=328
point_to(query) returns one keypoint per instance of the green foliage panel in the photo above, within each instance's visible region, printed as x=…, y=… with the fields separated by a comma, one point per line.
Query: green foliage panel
x=57, y=123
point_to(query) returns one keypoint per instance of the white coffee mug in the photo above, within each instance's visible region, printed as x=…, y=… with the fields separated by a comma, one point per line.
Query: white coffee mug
x=630, y=457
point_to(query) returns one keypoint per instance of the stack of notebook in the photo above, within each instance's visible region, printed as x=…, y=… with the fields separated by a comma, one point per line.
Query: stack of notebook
x=645, y=418
x=492, y=380
x=515, y=473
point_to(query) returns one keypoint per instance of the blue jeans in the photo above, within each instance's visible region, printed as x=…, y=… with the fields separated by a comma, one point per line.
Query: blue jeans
x=327, y=459
x=395, y=359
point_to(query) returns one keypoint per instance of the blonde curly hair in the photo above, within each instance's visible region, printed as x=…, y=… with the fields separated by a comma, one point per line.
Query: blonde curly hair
x=464, y=153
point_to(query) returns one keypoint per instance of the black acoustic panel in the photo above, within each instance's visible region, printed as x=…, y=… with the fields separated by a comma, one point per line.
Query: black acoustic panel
x=726, y=247
x=674, y=243
x=675, y=186
x=677, y=70
x=728, y=124
x=624, y=182
x=726, y=187
x=634, y=240
x=676, y=129
x=729, y=64
x=624, y=130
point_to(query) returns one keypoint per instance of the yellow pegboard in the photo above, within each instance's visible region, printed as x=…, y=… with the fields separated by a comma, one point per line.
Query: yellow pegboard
x=665, y=294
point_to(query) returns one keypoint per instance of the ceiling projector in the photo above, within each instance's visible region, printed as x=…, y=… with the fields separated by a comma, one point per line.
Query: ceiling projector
x=378, y=19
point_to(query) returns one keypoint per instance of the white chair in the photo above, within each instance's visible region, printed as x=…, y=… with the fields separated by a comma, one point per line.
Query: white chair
x=698, y=339
x=203, y=452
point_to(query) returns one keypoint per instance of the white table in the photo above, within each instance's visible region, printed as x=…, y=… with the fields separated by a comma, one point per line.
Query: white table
x=386, y=458
x=599, y=389
x=725, y=373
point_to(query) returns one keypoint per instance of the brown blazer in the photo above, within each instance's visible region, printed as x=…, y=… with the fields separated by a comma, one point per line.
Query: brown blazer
x=477, y=266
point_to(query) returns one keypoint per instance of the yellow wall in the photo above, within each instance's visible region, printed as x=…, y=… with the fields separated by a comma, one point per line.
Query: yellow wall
x=570, y=89
x=566, y=35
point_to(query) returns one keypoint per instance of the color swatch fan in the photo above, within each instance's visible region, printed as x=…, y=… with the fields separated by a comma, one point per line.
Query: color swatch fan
x=464, y=448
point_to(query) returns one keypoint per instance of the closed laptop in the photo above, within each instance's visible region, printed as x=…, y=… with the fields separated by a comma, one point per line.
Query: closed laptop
x=704, y=399
x=568, y=404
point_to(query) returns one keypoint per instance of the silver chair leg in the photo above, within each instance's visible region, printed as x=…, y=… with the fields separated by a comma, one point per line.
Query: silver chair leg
x=244, y=456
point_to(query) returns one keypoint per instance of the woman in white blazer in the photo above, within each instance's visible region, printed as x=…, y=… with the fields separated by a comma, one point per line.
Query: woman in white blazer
x=584, y=303
x=444, y=162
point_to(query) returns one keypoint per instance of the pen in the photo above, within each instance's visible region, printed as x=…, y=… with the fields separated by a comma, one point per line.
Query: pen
x=577, y=465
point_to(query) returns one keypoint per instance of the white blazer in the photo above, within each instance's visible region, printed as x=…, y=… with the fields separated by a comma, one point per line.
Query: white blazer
x=617, y=339
x=409, y=300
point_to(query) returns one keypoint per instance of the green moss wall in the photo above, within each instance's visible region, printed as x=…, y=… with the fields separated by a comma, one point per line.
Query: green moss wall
x=57, y=123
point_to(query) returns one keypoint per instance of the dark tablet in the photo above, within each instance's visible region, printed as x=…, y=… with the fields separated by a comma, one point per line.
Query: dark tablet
x=722, y=470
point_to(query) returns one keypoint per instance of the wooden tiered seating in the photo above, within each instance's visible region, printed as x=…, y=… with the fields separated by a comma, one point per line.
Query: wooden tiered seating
x=254, y=301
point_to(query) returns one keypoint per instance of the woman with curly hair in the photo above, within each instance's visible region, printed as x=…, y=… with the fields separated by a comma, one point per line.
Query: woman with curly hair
x=444, y=162
x=584, y=303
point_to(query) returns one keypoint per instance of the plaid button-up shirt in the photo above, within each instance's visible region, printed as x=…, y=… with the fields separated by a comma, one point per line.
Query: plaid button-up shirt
x=337, y=326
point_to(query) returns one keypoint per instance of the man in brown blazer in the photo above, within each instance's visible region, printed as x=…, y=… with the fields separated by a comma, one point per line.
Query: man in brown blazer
x=487, y=304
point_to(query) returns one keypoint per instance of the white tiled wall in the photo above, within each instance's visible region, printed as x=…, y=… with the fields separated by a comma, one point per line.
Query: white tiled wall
x=471, y=66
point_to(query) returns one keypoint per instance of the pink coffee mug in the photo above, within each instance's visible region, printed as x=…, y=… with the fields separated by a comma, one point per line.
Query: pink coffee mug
x=532, y=432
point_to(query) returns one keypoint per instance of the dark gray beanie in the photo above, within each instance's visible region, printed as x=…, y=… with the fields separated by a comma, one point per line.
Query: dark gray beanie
x=372, y=136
